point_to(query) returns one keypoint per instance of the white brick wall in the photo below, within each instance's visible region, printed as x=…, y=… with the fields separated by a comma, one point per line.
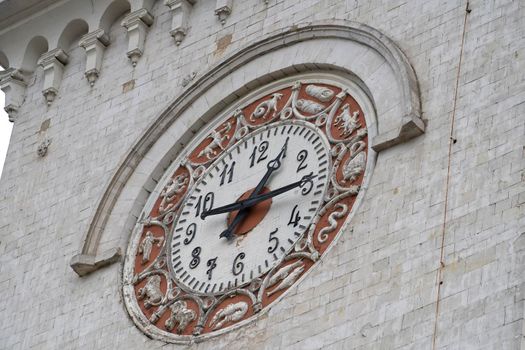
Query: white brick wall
x=377, y=288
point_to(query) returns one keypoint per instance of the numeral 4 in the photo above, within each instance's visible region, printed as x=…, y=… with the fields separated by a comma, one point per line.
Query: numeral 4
x=294, y=217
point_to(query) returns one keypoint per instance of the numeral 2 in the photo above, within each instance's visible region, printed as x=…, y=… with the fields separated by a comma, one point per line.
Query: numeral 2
x=301, y=158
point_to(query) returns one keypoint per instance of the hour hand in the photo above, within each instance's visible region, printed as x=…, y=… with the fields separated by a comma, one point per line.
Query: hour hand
x=251, y=201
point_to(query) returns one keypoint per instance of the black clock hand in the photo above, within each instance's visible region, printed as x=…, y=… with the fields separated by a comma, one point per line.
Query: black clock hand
x=272, y=166
x=251, y=201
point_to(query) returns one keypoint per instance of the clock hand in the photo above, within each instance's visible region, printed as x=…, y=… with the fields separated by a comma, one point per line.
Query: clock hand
x=272, y=166
x=251, y=201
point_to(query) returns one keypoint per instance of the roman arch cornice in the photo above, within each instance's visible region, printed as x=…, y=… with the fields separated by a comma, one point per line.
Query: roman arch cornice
x=361, y=53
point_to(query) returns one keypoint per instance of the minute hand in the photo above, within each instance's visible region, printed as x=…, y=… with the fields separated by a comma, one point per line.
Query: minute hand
x=250, y=202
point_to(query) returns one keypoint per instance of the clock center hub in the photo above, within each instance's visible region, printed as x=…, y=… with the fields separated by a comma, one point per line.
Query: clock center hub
x=255, y=214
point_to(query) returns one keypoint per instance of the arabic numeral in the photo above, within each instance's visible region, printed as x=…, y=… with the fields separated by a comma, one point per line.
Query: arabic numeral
x=204, y=203
x=196, y=258
x=294, y=218
x=238, y=266
x=211, y=265
x=274, y=241
x=227, y=172
x=262, y=149
x=190, y=232
x=301, y=158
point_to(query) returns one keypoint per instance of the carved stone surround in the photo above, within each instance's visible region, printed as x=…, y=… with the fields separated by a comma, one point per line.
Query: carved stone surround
x=395, y=125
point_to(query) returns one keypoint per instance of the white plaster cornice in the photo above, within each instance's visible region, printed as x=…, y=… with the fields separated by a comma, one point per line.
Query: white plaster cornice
x=223, y=8
x=137, y=23
x=53, y=63
x=94, y=43
x=13, y=85
x=180, y=11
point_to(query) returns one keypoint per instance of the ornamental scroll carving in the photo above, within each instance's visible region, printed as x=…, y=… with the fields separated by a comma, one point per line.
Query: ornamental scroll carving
x=155, y=297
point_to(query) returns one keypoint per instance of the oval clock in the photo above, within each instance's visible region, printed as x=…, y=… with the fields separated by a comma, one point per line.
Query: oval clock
x=248, y=207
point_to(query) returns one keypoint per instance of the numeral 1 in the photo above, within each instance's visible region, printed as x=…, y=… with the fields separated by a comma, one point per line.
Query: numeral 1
x=204, y=203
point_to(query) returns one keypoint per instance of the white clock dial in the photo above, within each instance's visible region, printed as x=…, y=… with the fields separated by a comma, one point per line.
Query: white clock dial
x=204, y=262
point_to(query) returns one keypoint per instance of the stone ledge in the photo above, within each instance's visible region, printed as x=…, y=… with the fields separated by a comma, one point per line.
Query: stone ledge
x=84, y=264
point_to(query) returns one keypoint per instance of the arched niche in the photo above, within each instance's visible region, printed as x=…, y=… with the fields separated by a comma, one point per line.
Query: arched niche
x=71, y=33
x=114, y=11
x=347, y=48
x=35, y=48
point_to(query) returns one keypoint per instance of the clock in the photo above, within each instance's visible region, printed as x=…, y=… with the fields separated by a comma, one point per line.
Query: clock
x=249, y=206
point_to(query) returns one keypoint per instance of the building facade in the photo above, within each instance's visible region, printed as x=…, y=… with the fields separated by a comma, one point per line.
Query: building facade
x=418, y=241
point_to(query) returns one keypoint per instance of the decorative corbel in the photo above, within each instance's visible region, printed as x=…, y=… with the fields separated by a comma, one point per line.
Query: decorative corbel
x=53, y=63
x=180, y=11
x=94, y=43
x=223, y=8
x=13, y=85
x=137, y=23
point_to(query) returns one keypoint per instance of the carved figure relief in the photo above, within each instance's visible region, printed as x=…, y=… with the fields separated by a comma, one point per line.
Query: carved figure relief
x=151, y=292
x=265, y=108
x=217, y=139
x=147, y=244
x=180, y=316
x=346, y=121
x=230, y=313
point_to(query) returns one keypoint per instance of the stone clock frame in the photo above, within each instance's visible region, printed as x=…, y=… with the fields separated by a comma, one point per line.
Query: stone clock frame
x=357, y=53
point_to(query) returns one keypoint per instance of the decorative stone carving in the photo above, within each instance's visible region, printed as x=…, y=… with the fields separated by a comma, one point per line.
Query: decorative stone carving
x=147, y=244
x=266, y=107
x=181, y=315
x=346, y=121
x=223, y=8
x=137, y=24
x=42, y=148
x=94, y=43
x=321, y=93
x=13, y=85
x=180, y=11
x=53, y=63
x=151, y=292
x=217, y=138
x=231, y=313
x=172, y=189
x=288, y=278
x=188, y=79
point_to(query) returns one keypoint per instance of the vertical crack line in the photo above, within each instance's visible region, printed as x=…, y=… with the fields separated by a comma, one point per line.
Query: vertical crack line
x=451, y=141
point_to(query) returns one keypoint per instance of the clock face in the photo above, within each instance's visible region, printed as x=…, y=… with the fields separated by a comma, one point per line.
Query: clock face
x=205, y=262
x=247, y=208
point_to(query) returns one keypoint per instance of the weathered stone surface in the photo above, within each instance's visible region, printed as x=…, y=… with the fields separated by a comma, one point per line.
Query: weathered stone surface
x=376, y=289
